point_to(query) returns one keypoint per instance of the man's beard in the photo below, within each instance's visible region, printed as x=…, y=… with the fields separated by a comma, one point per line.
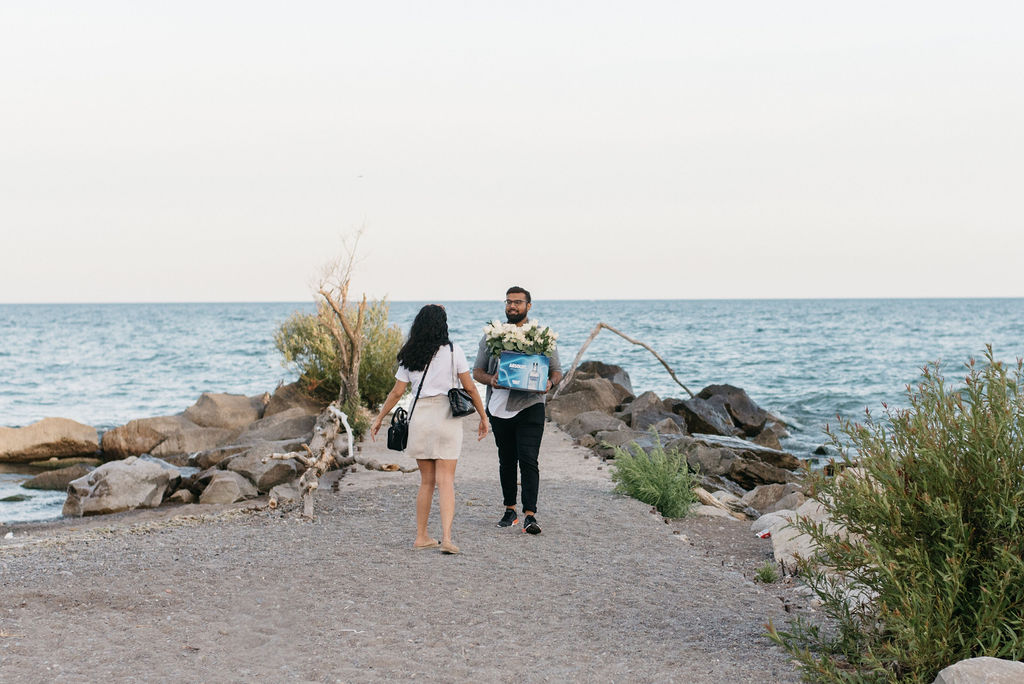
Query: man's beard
x=516, y=317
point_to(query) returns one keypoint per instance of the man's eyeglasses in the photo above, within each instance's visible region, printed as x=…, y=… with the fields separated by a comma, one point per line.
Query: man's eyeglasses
x=517, y=302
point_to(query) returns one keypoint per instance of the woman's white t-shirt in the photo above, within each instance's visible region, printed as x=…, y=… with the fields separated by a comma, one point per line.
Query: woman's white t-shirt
x=439, y=374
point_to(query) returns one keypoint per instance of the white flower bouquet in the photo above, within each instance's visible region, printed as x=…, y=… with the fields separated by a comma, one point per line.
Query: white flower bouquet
x=529, y=338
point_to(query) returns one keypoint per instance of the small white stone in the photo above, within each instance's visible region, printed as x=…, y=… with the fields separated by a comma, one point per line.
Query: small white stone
x=9, y=535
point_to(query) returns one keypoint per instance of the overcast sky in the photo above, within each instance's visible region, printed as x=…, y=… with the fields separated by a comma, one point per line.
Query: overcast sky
x=220, y=151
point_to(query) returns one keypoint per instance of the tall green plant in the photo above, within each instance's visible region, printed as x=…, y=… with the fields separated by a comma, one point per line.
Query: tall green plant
x=930, y=569
x=307, y=345
x=660, y=478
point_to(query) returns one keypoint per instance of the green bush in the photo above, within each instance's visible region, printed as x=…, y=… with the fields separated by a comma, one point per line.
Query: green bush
x=660, y=478
x=307, y=345
x=932, y=569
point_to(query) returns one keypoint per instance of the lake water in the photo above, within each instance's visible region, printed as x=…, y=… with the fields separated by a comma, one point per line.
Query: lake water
x=806, y=360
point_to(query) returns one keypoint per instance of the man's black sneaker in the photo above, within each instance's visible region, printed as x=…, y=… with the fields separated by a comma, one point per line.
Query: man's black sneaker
x=530, y=525
x=509, y=519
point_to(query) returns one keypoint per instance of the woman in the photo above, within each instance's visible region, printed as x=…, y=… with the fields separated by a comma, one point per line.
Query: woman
x=435, y=437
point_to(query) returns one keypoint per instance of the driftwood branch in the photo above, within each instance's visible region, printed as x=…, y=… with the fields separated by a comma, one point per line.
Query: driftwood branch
x=323, y=452
x=706, y=498
x=593, y=334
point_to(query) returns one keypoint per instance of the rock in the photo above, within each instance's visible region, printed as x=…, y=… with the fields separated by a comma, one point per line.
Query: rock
x=703, y=417
x=227, y=411
x=822, y=450
x=48, y=437
x=769, y=520
x=761, y=497
x=982, y=670
x=227, y=487
x=608, y=440
x=293, y=423
x=286, y=493
x=768, y=438
x=117, y=486
x=292, y=396
x=57, y=480
x=788, y=544
x=595, y=394
x=143, y=435
x=749, y=474
x=713, y=482
x=615, y=374
x=193, y=439
x=264, y=475
x=182, y=496
x=587, y=441
x=178, y=473
x=746, y=449
x=670, y=425
x=591, y=422
x=750, y=417
x=710, y=460
x=55, y=463
x=648, y=401
x=791, y=501
x=211, y=457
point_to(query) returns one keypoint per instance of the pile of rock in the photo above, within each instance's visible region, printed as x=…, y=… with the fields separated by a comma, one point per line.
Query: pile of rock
x=211, y=453
x=730, y=440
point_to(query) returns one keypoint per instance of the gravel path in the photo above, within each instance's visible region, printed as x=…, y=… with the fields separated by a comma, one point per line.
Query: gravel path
x=607, y=593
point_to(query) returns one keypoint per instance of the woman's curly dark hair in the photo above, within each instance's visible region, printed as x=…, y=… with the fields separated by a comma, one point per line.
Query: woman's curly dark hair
x=429, y=331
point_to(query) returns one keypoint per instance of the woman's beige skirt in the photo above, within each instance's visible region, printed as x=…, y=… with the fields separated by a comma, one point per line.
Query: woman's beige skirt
x=433, y=432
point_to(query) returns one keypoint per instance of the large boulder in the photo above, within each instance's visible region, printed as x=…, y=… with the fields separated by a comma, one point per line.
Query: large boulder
x=750, y=450
x=615, y=374
x=594, y=394
x=705, y=417
x=592, y=422
x=57, y=480
x=118, y=486
x=194, y=439
x=229, y=411
x=984, y=670
x=745, y=414
x=227, y=487
x=763, y=497
x=789, y=544
x=264, y=475
x=649, y=410
x=749, y=473
x=293, y=423
x=607, y=440
x=143, y=435
x=48, y=437
x=291, y=396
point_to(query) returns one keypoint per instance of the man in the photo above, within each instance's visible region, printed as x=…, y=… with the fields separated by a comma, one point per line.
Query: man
x=517, y=421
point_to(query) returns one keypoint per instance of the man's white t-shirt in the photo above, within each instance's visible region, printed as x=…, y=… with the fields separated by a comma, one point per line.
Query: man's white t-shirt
x=498, y=405
x=439, y=373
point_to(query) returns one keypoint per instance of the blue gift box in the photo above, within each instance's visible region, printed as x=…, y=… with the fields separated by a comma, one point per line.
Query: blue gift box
x=524, y=372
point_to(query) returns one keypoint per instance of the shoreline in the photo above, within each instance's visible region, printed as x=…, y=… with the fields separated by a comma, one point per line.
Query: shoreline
x=229, y=589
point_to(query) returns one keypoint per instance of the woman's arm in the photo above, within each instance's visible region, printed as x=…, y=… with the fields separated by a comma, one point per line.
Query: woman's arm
x=393, y=396
x=478, y=404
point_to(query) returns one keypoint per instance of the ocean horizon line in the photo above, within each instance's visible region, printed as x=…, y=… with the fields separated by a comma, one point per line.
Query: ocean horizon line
x=479, y=301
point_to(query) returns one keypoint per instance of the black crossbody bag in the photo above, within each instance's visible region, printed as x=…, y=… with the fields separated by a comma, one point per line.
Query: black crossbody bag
x=398, y=433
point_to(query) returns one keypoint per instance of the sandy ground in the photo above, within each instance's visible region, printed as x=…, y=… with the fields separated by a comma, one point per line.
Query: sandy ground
x=609, y=592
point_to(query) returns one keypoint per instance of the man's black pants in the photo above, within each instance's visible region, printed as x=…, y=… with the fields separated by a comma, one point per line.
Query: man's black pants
x=518, y=441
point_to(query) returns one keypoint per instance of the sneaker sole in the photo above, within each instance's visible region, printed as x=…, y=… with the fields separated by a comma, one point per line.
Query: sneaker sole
x=532, y=529
x=511, y=524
